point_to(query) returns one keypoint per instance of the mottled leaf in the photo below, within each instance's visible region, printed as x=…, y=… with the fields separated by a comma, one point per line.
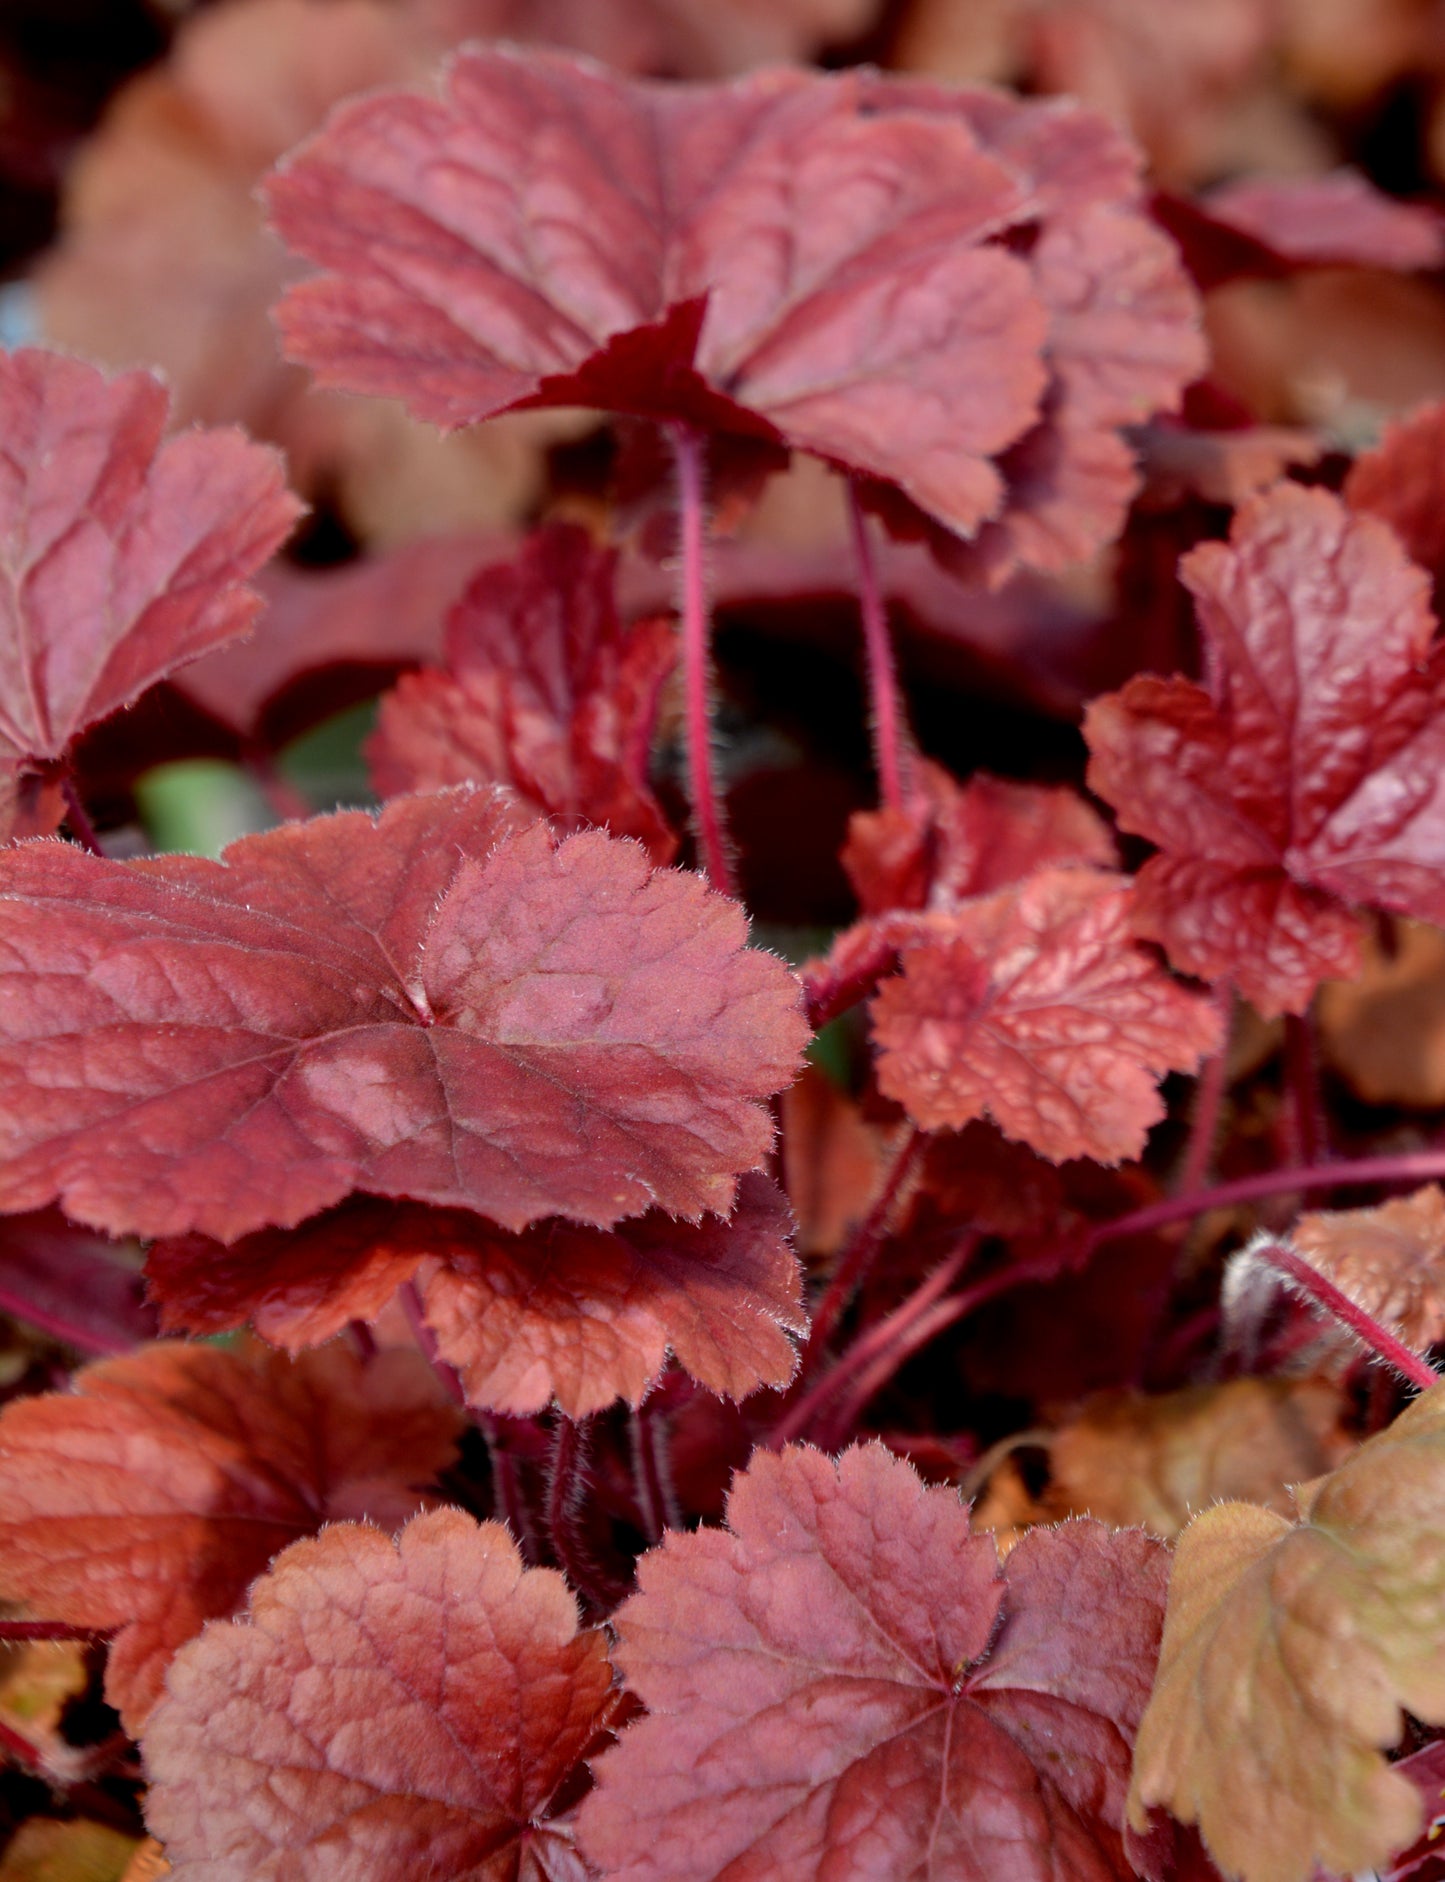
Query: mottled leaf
x=382, y=1709
x=1291, y=1651
x=845, y=1684
x=146, y=1499
x=1306, y=775
x=446, y=1004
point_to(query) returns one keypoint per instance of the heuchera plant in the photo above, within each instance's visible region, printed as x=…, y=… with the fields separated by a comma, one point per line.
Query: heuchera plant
x=492, y=1507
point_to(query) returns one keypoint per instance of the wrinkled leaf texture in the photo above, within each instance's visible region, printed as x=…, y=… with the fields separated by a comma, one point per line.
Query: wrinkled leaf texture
x=845, y=1684
x=1289, y=1653
x=1034, y=1006
x=444, y=1004
x=122, y=557
x=1307, y=775
x=149, y=1496
x=382, y=1710
x=805, y=260
x=580, y=1315
x=541, y=689
x=1390, y=1260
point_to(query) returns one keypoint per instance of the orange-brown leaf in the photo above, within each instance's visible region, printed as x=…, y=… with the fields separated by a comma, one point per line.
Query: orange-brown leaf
x=149, y=1497
x=1391, y=1260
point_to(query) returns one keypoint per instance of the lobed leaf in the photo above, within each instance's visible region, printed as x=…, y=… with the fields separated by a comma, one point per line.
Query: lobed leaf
x=1306, y=777
x=779, y=258
x=446, y=1004
x=1291, y=1651
x=121, y=557
x=1401, y=481
x=543, y=690
x=1033, y=1006
x=146, y=1499
x=382, y=1709
x=580, y=1315
x=845, y=1684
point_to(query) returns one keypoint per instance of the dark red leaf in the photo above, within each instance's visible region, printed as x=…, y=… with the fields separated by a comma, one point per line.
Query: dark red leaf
x=445, y=1004
x=950, y=841
x=541, y=689
x=1307, y=775
x=583, y=1316
x=1402, y=481
x=844, y=1683
x=72, y=1284
x=638, y=267
x=124, y=557
x=384, y=1710
x=148, y=1498
x=1035, y=1007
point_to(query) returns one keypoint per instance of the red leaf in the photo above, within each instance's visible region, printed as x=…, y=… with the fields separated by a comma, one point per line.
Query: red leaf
x=586, y=1316
x=1123, y=335
x=952, y=841
x=123, y=557
x=1036, y=1008
x=542, y=690
x=1307, y=775
x=445, y=1004
x=581, y=1315
x=148, y=1498
x=782, y=257
x=1402, y=481
x=848, y=1684
x=384, y=1710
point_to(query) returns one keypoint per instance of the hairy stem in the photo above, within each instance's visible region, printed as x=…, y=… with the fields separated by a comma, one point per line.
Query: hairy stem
x=51, y=1630
x=1310, y=1128
x=508, y=1495
x=861, y=1250
x=1204, y=1122
x=1414, y=1166
x=889, y=736
x=689, y=455
x=72, y=1333
x=869, y=1345
x=656, y=1498
x=1324, y=1294
x=566, y=1498
x=77, y=818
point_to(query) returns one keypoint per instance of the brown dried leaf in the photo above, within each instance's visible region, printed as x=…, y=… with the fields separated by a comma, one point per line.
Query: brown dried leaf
x=46, y=1850
x=1385, y=1031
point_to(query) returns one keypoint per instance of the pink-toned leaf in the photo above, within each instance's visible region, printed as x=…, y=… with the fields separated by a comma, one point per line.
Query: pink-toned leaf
x=783, y=258
x=583, y=1316
x=1335, y=220
x=121, y=556
x=844, y=1683
x=586, y=1316
x=1402, y=481
x=542, y=689
x=382, y=1710
x=950, y=841
x=445, y=1004
x=1034, y=1006
x=1307, y=775
x=147, y=1499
